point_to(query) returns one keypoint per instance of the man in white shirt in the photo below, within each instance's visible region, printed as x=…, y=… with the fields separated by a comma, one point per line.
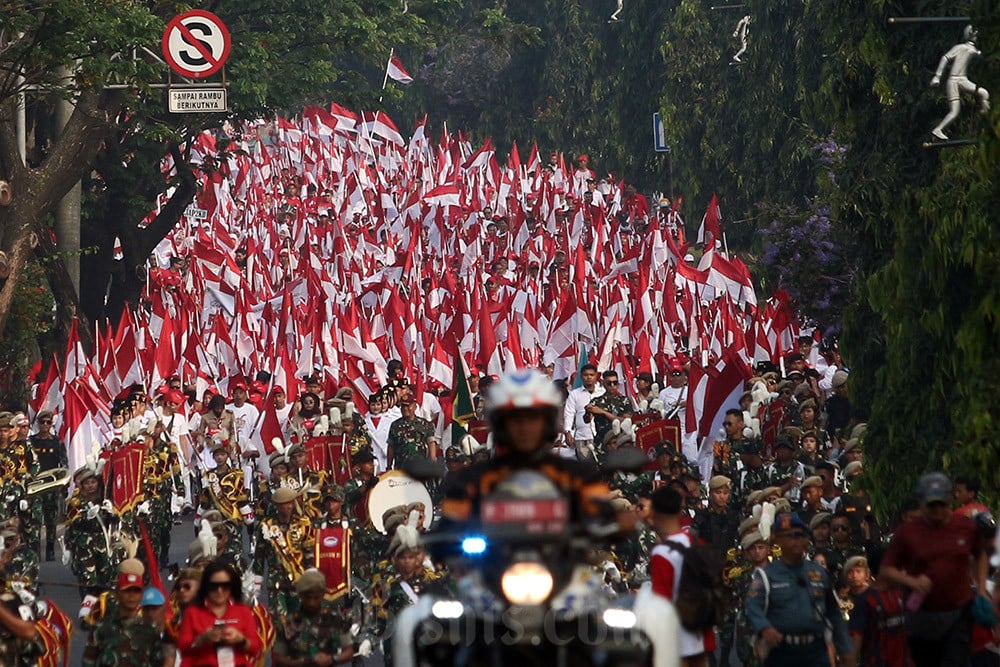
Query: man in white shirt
x=674, y=397
x=245, y=415
x=175, y=428
x=578, y=424
x=665, y=565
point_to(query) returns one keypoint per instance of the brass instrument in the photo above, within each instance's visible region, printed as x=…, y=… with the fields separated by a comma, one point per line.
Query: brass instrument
x=50, y=479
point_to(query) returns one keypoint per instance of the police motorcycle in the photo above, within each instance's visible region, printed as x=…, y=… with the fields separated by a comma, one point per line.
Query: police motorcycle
x=524, y=592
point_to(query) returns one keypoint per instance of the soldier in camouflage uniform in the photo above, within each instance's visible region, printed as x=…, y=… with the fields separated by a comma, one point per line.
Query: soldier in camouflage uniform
x=606, y=409
x=159, y=467
x=19, y=566
x=410, y=578
x=90, y=523
x=367, y=544
x=266, y=487
x=752, y=476
x=51, y=454
x=223, y=489
x=124, y=638
x=20, y=469
x=785, y=471
x=308, y=482
x=311, y=635
x=356, y=435
x=409, y=436
x=737, y=630
x=284, y=545
x=15, y=650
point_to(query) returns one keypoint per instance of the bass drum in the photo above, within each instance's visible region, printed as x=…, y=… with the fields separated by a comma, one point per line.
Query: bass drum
x=396, y=488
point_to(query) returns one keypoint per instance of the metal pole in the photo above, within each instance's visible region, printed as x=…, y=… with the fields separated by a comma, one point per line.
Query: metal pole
x=928, y=19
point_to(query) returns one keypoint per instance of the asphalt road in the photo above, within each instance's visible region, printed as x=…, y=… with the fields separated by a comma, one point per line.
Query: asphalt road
x=59, y=584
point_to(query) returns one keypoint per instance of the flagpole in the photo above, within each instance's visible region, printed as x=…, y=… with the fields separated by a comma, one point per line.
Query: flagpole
x=385, y=78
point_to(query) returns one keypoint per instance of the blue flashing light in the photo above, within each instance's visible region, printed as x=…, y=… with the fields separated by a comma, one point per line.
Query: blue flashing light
x=474, y=545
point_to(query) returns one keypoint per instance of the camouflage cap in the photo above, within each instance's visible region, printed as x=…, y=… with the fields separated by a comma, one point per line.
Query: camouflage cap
x=333, y=492
x=310, y=581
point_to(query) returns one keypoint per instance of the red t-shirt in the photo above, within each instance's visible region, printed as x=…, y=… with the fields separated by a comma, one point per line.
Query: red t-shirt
x=197, y=619
x=940, y=552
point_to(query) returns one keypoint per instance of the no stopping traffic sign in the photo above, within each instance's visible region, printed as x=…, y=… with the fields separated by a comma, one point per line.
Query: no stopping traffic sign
x=196, y=44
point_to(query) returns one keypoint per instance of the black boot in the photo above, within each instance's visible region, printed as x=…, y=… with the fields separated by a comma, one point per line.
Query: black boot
x=50, y=551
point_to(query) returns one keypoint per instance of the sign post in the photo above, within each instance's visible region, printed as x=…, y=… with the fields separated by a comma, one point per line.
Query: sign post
x=659, y=136
x=196, y=45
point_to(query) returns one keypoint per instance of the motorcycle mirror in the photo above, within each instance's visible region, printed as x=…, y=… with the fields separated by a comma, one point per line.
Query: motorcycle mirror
x=423, y=469
x=626, y=459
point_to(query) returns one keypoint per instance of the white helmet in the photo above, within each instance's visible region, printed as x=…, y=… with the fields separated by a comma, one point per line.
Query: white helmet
x=524, y=389
x=520, y=390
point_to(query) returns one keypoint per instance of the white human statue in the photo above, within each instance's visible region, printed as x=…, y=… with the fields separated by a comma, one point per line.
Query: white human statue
x=618, y=10
x=742, y=29
x=957, y=82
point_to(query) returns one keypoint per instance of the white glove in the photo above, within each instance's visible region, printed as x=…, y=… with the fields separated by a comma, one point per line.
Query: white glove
x=258, y=585
x=612, y=572
x=143, y=508
x=93, y=510
x=67, y=557
x=22, y=592
x=87, y=606
x=365, y=649
x=107, y=506
x=23, y=505
x=246, y=511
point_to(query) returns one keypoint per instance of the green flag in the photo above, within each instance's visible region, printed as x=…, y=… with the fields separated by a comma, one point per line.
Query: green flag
x=578, y=380
x=462, y=410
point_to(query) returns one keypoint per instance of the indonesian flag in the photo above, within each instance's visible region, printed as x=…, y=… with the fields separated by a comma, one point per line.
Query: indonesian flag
x=397, y=72
x=710, y=230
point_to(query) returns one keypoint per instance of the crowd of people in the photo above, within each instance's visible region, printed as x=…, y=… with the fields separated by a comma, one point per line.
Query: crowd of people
x=340, y=302
x=810, y=575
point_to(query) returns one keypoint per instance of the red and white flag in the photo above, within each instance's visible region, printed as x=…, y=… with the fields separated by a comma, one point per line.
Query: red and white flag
x=397, y=72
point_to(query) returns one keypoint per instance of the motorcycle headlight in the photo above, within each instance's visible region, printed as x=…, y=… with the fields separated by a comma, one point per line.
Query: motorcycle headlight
x=526, y=583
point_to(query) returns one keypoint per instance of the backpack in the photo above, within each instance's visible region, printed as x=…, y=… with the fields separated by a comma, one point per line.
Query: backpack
x=701, y=599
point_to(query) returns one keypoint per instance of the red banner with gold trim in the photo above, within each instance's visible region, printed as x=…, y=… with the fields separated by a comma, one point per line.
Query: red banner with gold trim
x=651, y=434
x=126, y=472
x=333, y=559
x=55, y=630
x=330, y=454
x=772, y=420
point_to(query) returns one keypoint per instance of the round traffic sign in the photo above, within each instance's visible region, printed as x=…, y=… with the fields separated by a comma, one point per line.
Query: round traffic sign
x=196, y=44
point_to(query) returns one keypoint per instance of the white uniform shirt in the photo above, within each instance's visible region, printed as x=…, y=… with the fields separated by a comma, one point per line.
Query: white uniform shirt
x=574, y=411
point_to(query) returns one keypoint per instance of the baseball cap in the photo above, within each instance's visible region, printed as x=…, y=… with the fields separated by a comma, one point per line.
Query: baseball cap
x=152, y=597
x=934, y=487
x=127, y=580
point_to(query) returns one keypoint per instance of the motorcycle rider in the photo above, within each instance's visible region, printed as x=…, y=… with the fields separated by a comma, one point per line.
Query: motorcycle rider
x=523, y=409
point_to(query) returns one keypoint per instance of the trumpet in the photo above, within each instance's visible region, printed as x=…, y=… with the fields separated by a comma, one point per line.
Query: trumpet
x=50, y=479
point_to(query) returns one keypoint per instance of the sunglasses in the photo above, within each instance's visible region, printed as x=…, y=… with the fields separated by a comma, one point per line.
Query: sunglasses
x=676, y=373
x=44, y=421
x=219, y=585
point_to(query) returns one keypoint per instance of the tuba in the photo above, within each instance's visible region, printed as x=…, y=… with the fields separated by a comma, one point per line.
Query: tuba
x=49, y=479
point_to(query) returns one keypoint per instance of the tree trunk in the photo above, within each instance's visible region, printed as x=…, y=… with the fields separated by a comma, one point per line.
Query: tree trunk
x=36, y=192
